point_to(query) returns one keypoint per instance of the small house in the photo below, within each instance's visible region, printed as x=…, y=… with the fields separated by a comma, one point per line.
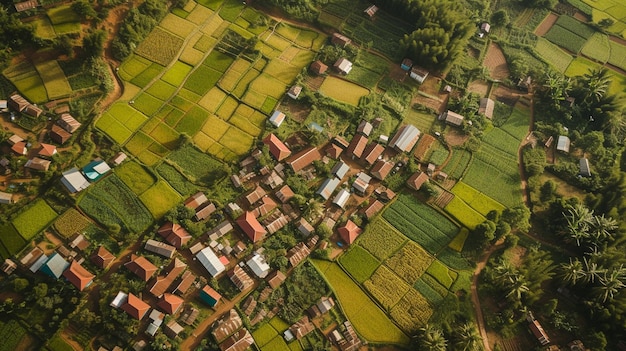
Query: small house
x=160, y=248
x=8, y=266
x=349, y=232
x=38, y=164
x=371, y=10
x=210, y=296
x=54, y=266
x=275, y=279
x=74, y=181
x=248, y=223
x=406, y=64
x=357, y=146
x=102, y=257
x=170, y=303
x=277, y=118
x=341, y=198
x=452, y=118
x=69, y=123
x=119, y=158
x=26, y=5
x=318, y=67
x=141, y=267
x=405, y=138
x=20, y=148
x=486, y=107
x=59, y=135
x=33, y=111
x=17, y=102
x=365, y=128
x=485, y=28
x=259, y=267
x=78, y=276
x=304, y=158
x=47, y=150
x=277, y=148
x=14, y=139
x=372, y=153
x=585, y=170
x=343, y=66
x=381, y=169
x=294, y=91
x=563, y=144
x=328, y=187
x=419, y=74
x=373, y=208
x=174, y=234
x=340, y=169
x=6, y=198
x=135, y=307
x=304, y=227
x=340, y=40
x=416, y=181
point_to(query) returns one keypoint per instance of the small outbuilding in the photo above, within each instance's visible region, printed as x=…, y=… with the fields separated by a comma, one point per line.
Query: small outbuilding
x=419, y=74
x=343, y=66
x=277, y=118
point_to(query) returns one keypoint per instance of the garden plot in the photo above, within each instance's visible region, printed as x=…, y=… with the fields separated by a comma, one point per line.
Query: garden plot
x=367, y=318
x=176, y=25
x=553, y=54
x=160, y=46
x=581, y=66
x=618, y=55
x=386, y=287
x=11, y=242
x=27, y=80
x=411, y=312
x=199, y=14
x=359, y=263
x=381, y=239
x=135, y=176
x=410, y=262
x=465, y=214
x=71, y=222
x=159, y=199
x=569, y=33
x=598, y=48
x=197, y=166
x=33, y=220
x=120, y=121
x=44, y=28
x=517, y=123
x=133, y=66
x=458, y=163
x=64, y=19
x=343, y=91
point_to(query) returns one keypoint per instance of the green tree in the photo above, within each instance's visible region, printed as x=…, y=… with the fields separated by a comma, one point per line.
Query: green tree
x=500, y=18
x=518, y=217
x=19, y=284
x=484, y=233
x=432, y=339
x=84, y=9
x=468, y=338
x=93, y=43
x=547, y=192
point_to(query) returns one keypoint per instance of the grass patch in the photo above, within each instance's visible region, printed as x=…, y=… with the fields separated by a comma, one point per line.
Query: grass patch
x=469, y=217
x=343, y=91
x=359, y=263
x=553, y=54
x=159, y=199
x=34, y=219
x=480, y=202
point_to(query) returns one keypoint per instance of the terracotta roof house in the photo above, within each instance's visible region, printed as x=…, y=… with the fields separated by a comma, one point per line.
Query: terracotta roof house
x=210, y=296
x=277, y=118
x=372, y=152
x=251, y=227
x=304, y=158
x=186, y=280
x=170, y=303
x=416, y=181
x=333, y=151
x=538, y=332
x=373, y=208
x=54, y=266
x=357, y=146
x=275, y=278
x=419, y=74
x=318, y=67
x=78, y=276
x=278, y=149
x=59, y=135
x=47, y=150
x=328, y=187
x=20, y=148
x=135, y=307
x=33, y=110
x=301, y=328
x=297, y=254
x=284, y=194
x=339, y=39
x=17, y=102
x=160, y=284
x=341, y=198
x=240, y=341
x=102, y=257
x=452, y=118
x=196, y=200
x=26, y=5
x=276, y=222
x=255, y=195
x=68, y=123
x=486, y=107
x=381, y=169
x=174, y=234
x=294, y=91
x=349, y=232
x=365, y=128
x=160, y=248
x=406, y=64
x=141, y=267
x=74, y=181
x=343, y=66
x=210, y=261
x=38, y=164
x=563, y=144
x=240, y=278
x=405, y=138
x=485, y=27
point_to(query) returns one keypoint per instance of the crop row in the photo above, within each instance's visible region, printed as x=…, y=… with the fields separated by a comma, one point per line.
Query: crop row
x=71, y=222
x=386, y=287
x=410, y=262
x=424, y=234
x=381, y=239
x=412, y=312
x=458, y=163
x=427, y=214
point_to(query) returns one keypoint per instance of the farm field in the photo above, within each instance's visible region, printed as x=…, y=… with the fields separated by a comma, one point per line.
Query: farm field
x=381, y=239
x=366, y=317
x=343, y=91
x=11, y=333
x=27, y=80
x=36, y=218
x=70, y=222
x=456, y=166
x=478, y=201
x=11, y=242
x=553, y=54
x=359, y=263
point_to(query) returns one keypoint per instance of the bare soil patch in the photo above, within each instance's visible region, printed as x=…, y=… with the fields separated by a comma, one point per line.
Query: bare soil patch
x=496, y=62
x=455, y=137
x=397, y=73
x=505, y=95
x=479, y=87
x=546, y=24
x=582, y=17
x=473, y=52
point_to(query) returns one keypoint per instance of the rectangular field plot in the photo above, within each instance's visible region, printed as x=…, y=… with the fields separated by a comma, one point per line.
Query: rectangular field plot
x=44, y=28
x=179, y=26
x=264, y=335
x=244, y=124
x=27, y=80
x=581, y=66
x=10, y=241
x=212, y=99
x=284, y=72
x=177, y=73
x=215, y=127
x=218, y=61
x=575, y=26
x=458, y=242
x=64, y=19
x=566, y=39
x=113, y=128
x=192, y=121
x=161, y=90
x=343, y=91
x=199, y=14
x=420, y=223
x=175, y=179
x=469, y=217
x=386, y=287
x=503, y=141
x=135, y=176
x=237, y=141
x=120, y=121
x=618, y=55
x=366, y=317
x=410, y=262
x=33, y=220
x=597, y=47
x=54, y=79
x=359, y=263
x=159, y=199
x=202, y=80
x=147, y=75
x=197, y=166
x=381, y=239
x=553, y=54
x=244, y=82
x=480, y=202
x=165, y=135
x=70, y=222
x=138, y=143
x=442, y=274
x=269, y=86
x=160, y=46
x=458, y=163
x=517, y=123
x=133, y=66
x=203, y=141
x=412, y=312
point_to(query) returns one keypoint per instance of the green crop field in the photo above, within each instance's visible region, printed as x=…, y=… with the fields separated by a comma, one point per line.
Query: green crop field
x=457, y=165
x=517, y=123
x=343, y=91
x=178, y=26
x=469, y=217
x=581, y=66
x=411, y=312
x=159, y=199
x=197, y=165
x=202, y=79
x=554, y=55
x=135, y=176
x=133, y=66
x=34, y=219
x=160, y=46
x=116, y=122
x=420, y=223
x=480, y=202
x=161, y=90
x=64, y=19
x=565, y=39
x=459, y=240
x=71, y=222
x=597, y=48
x=386, y=287
x=618, y=55
x=175, y=179
x=410, y=262
x=503, y=141
x=44, y=28
x=359, y=263
x=11, y=333
x=27, y=80
x=366, y=317
x=192, y=121
x=381, y=239
x=54, y=79
x=277, y=344
x=442, y=274
x=423, y=121
x=575, y=26
x=264, y=334
x=10, y=241
x=147, y=75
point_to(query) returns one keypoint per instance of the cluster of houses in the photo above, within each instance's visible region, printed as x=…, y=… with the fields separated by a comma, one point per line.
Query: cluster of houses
x=563, y=144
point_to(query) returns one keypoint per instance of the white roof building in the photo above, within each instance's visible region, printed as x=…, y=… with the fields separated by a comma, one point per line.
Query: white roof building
x=405, y=138
x=258, y=265
x=563, y=143
x=210, y=261
x=341, y=198
x=74, y=181
x=119, y=300
x=277, y=118
x=343, y=66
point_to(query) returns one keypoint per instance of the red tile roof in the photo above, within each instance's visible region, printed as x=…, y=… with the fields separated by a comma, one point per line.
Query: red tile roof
x=333, y=150
x=304, y=158
x=195, y=200
x=372, y=151
x=349, y=232
x=47, y=150
x=373, y=208
x=78, y=276
x=170, y=303
x=417, y=180
x=140, y=265
x=278, y=149
x=318, y=67
x=174, y=234
x=251, y=226
x=284, y=194
x=357, y=146
x=19, y=148
x=381, y=169
x=102, y=257
x=59, y=134
x=135, y=307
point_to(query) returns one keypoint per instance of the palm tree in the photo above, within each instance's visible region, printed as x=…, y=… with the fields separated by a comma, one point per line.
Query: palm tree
x=469, y=338
x=432, y=339
x=592, y=270
x=610, y=284
x=578, y=218
x=517, y=287
x=601, y=229
x=572, y=272
x=596, y=84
